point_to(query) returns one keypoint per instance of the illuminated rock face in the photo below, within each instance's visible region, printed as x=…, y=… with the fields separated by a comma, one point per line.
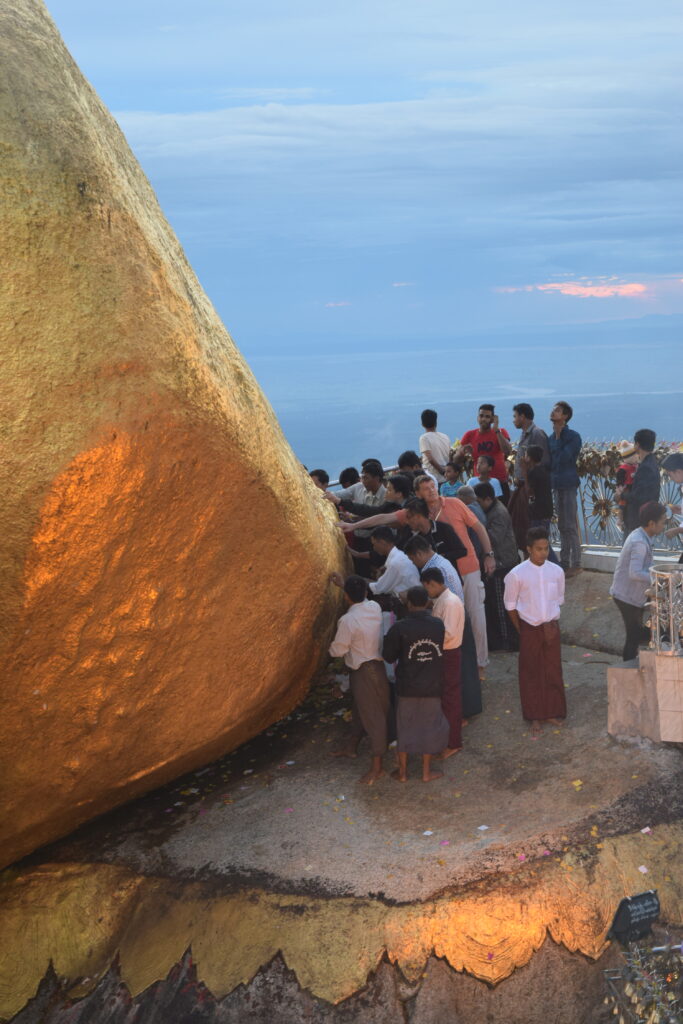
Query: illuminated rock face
x=163, y=556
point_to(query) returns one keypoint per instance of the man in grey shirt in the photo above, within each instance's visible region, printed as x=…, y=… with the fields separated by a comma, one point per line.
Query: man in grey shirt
x=632, y=576
x=518, y=506
x=523, y=419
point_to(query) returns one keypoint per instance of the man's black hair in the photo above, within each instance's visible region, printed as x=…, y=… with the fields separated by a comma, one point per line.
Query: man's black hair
x=567, y=410
x=484, y=490
x=650, y=512
x=418, y=505
x=487, y=458
x=383, y=533
x=645, y=439
x=535, y=453
x=673, y=461
x=408, y=459
x=322, y=475
x=349, y=476
x=536, y=533
x=417, y=543
x=524, y=409
x=356, y=588
x=373, y=467
x=433, y=575
x=402, y=484
x=428, y=418
x=418, y=597
x=487, y=405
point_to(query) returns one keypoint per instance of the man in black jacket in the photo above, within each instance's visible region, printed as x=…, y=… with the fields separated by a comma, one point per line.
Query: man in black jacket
x=646, y=482
x=442, y=537
x=416, y=645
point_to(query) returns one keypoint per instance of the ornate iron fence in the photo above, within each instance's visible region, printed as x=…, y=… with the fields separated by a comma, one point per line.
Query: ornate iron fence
x=600, y=514
x=666, y=609
x=599, y=511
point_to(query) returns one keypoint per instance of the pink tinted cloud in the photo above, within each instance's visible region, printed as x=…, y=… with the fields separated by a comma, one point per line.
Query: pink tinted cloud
x=588, y=290
x=334, y=305
x=595, y=291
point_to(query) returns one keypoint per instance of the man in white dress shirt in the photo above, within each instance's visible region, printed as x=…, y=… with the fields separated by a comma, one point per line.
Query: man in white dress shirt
x=359, y=640
x=534, y=592
x=399, y=573
x=450, y=609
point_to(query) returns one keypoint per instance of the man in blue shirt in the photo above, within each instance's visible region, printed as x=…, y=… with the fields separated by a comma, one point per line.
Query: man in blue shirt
x=565, y=445
x=421, y=553
x=632, y=576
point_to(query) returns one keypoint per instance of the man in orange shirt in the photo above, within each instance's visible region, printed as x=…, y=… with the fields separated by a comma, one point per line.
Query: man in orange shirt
x=461, y=518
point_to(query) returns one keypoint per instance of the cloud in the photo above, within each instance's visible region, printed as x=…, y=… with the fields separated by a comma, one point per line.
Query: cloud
x=268, y=94
x=596, y=291
x=335, y=305
x=403, y=284
x=584, y=289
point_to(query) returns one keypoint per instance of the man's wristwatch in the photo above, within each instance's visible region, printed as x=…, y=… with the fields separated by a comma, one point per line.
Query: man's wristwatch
x=489, y=554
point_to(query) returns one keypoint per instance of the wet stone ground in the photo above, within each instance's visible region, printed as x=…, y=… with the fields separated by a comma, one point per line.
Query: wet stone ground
x=282, y=812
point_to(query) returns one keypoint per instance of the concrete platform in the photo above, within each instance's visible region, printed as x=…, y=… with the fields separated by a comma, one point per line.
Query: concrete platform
x=282, y=813
x=278, y=850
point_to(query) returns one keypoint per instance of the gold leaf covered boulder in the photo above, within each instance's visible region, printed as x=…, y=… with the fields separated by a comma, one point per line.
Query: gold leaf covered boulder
x=163, y=556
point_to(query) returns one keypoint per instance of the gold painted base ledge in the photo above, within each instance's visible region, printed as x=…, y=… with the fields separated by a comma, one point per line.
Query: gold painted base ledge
x=81, y=915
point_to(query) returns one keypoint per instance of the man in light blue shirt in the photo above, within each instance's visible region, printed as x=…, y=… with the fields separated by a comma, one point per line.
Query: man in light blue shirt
x=632, y=576
x=422, y=554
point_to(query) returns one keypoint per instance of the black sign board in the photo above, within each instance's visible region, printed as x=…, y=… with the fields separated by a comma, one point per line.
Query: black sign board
x=634, y=917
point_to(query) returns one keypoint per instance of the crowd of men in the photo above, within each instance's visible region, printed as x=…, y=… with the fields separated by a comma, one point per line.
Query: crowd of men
x=452, y=559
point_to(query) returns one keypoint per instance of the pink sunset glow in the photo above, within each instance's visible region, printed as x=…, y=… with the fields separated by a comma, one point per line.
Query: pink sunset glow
x=633, y=289
x=597, y=291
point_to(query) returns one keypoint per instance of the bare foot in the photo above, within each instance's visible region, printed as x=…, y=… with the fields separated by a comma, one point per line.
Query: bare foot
x=371, y=777
x=432, y=776
x=448, y=752
x=556, y=721
x=398, y=777
x=482, y=674
x=536, y=728
x=344, y=752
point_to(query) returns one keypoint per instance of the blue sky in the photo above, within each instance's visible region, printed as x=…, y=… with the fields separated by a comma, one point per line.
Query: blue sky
x=417, y=170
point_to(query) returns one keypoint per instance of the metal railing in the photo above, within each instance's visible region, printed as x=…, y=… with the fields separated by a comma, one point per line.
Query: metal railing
x=599, y=512
x=666, y=609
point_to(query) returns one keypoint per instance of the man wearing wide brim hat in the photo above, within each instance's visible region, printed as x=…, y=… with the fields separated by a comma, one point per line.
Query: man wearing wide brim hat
x=625, y=473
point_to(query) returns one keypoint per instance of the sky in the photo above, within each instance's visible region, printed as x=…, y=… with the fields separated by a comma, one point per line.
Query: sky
x=366, y=172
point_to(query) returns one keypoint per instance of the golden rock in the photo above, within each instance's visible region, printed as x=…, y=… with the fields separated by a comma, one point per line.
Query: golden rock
x=163, y=556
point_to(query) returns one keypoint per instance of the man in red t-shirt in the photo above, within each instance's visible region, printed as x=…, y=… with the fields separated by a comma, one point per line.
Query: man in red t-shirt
x=489, y=440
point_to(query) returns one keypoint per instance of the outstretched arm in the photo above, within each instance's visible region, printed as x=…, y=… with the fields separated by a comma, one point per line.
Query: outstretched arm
x=384, y=519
